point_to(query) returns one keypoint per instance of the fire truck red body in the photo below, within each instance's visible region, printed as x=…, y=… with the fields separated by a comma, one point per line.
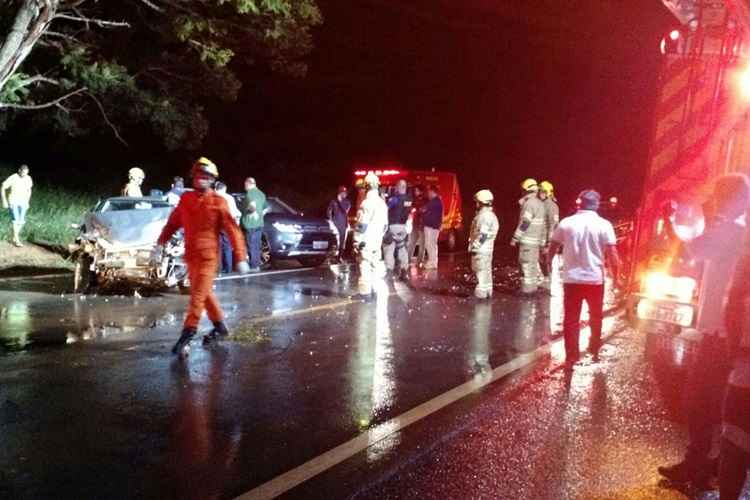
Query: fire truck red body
x=701, y=131
x=446, y=182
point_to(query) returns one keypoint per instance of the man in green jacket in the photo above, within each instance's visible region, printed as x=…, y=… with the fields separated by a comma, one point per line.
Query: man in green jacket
x=253, y=211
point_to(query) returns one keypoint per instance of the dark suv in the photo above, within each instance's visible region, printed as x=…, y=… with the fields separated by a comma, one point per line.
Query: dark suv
x=288, y=234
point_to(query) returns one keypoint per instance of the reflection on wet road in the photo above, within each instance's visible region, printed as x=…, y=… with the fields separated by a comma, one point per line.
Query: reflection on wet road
x=313, y=370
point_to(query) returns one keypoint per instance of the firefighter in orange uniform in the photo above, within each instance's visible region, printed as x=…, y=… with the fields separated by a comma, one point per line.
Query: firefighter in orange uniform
x=203, y=214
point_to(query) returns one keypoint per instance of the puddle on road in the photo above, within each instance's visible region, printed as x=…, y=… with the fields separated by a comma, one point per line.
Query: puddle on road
x=30, y=323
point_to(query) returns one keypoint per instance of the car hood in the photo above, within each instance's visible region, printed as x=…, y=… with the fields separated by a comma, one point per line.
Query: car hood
x=128, y=228
x=302, y=220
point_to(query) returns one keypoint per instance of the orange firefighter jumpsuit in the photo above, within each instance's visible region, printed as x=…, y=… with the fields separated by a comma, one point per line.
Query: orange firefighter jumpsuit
x=203, y=216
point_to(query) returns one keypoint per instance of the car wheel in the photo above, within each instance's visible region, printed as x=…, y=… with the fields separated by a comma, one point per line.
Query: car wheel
x=265, y=252
x=84, y=279
x=311, y=261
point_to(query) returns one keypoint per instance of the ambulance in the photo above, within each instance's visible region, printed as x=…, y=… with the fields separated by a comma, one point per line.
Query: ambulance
x=446, y=182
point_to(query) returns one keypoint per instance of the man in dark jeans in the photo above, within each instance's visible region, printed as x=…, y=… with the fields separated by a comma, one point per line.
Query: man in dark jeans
x=253, y=211
x=718, y=248
x=338, y=213
x=588, y=242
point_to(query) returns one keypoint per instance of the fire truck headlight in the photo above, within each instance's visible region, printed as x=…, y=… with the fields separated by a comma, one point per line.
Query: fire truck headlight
x=659, y=285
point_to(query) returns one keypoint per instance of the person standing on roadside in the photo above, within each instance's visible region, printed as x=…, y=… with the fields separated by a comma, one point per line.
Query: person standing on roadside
x=16, y=196
x=225, y=243
x=735, y=436
x=338, y=214
x=176, y=191
x=482, y=236
x=530, y=236
x=551, y=220
x=253, y=211
x=432, y=220
x=718, y=249
x=203, y=214
x=588, y=244
x=416, y=238
x=394, y=248
x=135, y=181
x=372, y=224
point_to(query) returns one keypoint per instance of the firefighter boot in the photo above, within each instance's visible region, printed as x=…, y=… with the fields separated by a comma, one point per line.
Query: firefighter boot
x=182, y=346
x=219, y=331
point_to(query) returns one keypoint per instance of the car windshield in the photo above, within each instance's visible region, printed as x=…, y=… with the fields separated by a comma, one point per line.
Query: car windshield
x=116, y=205
x=275, y=205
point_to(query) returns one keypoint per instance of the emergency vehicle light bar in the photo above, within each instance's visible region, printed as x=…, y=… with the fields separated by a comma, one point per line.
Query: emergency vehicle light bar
x=379, y=173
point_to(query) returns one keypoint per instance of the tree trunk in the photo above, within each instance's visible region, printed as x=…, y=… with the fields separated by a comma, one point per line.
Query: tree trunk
x=31, y=21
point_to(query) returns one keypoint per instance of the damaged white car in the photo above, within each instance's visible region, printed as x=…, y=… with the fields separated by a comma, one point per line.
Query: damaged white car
x=114, y=247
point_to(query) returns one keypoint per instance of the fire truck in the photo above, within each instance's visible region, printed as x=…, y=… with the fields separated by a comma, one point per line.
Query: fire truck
x=701, y=131
x=446, y=182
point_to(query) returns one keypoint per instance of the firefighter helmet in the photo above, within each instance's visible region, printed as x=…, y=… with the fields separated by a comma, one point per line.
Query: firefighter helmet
x=136, y=173
x=547, y=187
x=204, y=166
x=372, y=181
x=530, y=185
x=484, y=197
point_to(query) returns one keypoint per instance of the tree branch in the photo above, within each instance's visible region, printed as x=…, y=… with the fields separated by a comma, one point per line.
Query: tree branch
x=106, y=118
x=57, y=34
x=49, y=104
x=152, y=6
x=93, y=20
x=34, y=79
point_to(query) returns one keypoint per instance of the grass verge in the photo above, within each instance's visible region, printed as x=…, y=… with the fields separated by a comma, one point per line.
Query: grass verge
x=50, y=216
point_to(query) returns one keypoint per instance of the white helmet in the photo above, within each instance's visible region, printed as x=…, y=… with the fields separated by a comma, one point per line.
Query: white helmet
x=372, y=181
x=136, y=173
x=484, y=197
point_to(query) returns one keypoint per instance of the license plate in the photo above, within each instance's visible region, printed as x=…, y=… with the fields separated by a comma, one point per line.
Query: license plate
x=677, y=314
x=320, y=245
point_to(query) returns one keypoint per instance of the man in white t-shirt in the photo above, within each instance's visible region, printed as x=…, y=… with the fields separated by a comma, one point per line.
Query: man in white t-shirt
x=16, y=196
x=588, y=245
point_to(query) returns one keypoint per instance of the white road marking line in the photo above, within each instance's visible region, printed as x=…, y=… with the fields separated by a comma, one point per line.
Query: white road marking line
x=285, y=313
x=280, y=271
x=294, y=477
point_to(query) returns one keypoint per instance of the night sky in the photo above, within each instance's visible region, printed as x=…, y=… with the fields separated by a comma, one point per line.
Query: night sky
x=495, y=90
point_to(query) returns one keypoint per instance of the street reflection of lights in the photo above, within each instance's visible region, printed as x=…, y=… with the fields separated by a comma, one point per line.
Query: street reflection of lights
x=679, y=353
x=382, y=439
x=17, y=317
x=743, y=84
x=383, y=383
x=479, y=353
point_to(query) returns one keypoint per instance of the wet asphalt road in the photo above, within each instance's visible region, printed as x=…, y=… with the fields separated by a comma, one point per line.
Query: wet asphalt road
x=92, y=404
